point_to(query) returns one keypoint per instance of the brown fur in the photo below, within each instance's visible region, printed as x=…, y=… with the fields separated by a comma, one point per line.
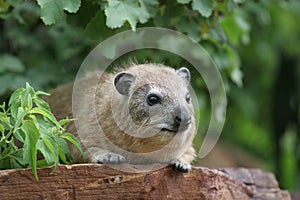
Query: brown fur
x=162, y=147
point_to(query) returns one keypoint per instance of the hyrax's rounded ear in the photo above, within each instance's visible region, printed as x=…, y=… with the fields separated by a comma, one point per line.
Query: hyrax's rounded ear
x=123, y=82
x=185, y=74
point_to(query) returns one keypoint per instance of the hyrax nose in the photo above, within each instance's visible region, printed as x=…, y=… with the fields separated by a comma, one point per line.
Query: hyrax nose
x=183, y=119
x=177, y=120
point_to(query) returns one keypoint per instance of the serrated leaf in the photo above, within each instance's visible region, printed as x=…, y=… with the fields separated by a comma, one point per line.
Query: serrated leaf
x=118, y=12
x=204, y=7
x=71, y=138
x=53, y=10
x=10, y=63
x=46, y=113
x=31, y=139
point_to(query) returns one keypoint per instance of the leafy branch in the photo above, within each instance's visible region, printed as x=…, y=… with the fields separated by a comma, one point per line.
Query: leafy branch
x=30, y=134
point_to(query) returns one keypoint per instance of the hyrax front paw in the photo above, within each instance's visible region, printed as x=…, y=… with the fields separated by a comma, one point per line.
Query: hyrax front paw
x=181, y=166
x=108, y=158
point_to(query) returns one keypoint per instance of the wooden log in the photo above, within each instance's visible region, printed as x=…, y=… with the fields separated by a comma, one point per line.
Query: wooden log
x=96, y=181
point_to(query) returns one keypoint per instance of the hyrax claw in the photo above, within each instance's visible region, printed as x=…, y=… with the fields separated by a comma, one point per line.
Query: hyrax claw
x=109, y=158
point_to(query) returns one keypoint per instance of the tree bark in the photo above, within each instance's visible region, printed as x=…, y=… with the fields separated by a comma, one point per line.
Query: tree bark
x=96, y=181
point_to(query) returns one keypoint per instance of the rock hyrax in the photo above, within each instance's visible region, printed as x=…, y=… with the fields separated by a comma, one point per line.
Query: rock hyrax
x=141, y=115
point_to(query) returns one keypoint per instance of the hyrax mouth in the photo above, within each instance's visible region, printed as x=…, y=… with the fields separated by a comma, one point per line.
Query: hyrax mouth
x=177, y=128
x=169, y=130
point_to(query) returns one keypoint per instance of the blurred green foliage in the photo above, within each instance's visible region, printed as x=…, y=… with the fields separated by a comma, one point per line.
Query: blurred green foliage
x=246, y=39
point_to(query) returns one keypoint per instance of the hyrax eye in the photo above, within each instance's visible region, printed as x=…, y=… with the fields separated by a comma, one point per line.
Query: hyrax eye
x=153, y=99
x=188, y=98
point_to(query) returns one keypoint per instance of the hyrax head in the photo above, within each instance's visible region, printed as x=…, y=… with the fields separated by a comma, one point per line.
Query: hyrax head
x=157, y=97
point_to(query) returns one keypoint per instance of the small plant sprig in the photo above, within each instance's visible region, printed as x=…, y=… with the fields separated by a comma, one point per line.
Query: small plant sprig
x=30, y=134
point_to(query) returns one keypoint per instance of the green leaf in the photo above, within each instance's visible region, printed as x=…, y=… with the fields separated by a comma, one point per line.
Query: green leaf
x=62, y=156
x=183, y=1
x=6, y=151
x=46, y=148
x=11, y=63
x=189, y=26
x=71, y=138
x=4, y=6
x=16, y=155
x=30, y=149
x=149, y=7
x=15, y=102
x=5, y=121
x=41, y=103
x=11, y=157
x=239, y=1
x=65, y=121
x=204, y=7
x=132, y=11
x=63, y=150
x=26, y=101
x=85, y=14
x=19, y=118
x=42, y=93
x=35, y=121
x=236, y=27
x=42, y=163
x=46, y=113
x=2, y=107
x=19, y=135
x=14, y=3
x=2, y=129
x=96, y=29
x=235, y=72
x=236, y=76
x=30, y=90
x=53, y=10
x=49, y=148
x=16, y=96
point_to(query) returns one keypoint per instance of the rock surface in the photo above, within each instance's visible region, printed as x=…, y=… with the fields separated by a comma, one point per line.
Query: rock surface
x=96, y=181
